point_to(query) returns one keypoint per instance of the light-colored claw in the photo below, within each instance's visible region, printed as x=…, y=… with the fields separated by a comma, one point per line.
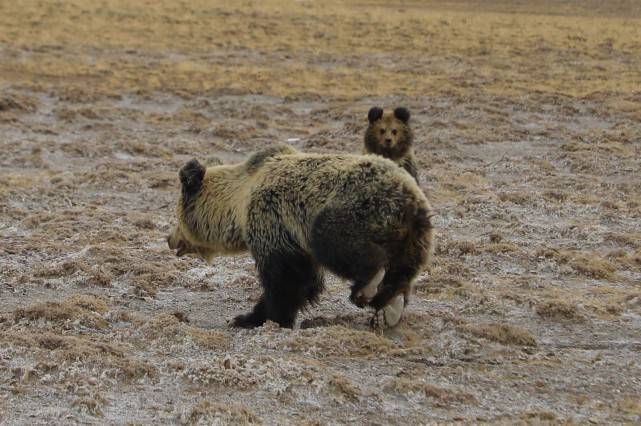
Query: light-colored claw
x=390, y=315
x=394, y=310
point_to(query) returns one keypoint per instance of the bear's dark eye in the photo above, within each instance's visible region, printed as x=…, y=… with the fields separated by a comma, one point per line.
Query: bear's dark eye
x=382, y=131
x=394, y=131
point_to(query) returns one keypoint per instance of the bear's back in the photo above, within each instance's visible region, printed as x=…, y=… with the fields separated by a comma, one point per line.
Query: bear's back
x=313, y=178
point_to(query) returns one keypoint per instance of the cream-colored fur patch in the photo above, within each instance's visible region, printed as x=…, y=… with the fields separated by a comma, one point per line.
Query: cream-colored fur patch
x=391, y=314
x=369, y=291
x=394, y=310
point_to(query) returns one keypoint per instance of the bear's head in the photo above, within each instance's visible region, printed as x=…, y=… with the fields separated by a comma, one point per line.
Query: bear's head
x=207, y=213
x=182, y=238
x=388, y=134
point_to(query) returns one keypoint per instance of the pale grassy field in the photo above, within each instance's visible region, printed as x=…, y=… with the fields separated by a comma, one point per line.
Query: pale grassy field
x=528, y=127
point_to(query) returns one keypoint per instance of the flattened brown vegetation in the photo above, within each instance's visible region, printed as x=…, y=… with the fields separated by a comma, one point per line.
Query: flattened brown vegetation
x=85, y=309
x=173, y=327
x=67, y=350
x=215, y=413
x=443, y=396
x=502, y=333
x=341, y=341
x=560, y=310
x=344, y=387
x=588, y=264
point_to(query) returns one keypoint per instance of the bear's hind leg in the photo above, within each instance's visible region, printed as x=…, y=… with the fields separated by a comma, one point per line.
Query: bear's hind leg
x=389, y=301
x=338, y=244
x=291, y=280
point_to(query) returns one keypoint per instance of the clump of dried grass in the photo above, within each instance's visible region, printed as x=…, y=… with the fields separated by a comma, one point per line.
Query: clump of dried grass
x=460, y=248
x=341, y=341
x=63, y=269
x=80, y=349
x=439, y=282
x=502, y=333
x=495, y=237
x=81, y=308
x=630, y=404
x=443, y=396
x=539, y=416
x=215, y=413
x=593, y=266
x=246, y=372
x=501, y=248
x=17, y=103
x=174, y=328
x=94, y=276
x=90, y=405
x=588, y=264
x=557, y=196
x=344, y=387
x=558, y=309
x=515, y=197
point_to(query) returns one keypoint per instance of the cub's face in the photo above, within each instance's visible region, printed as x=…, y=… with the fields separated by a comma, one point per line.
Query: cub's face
x=388, y=134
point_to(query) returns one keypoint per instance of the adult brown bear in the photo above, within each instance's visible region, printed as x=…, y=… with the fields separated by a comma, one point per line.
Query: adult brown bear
x=360, y=217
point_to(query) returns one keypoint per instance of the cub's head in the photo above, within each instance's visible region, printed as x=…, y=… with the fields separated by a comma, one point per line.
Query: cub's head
x=388, y=134
x=182, y=237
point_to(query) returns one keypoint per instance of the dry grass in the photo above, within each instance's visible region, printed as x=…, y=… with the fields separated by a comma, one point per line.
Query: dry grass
x=526, y=119
x=91, y=406
x=502, y=333
x=85, y=310
x=559, y=310
x=588, y=264
x=108, y=357
x=444, y=396
x=344, y=388
x=173, y=327
x=515, y=198
x=630, y=404
x=482, y=40
x=340, y=341
x=215, y=413
x=461, y=248
x=593, y=266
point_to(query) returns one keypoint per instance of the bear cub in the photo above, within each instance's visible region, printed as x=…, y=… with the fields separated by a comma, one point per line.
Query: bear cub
x=390, y=135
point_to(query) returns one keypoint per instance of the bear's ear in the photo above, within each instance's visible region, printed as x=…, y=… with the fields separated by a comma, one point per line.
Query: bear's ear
x=191, y=177
x=375, y=113
x=402, y=114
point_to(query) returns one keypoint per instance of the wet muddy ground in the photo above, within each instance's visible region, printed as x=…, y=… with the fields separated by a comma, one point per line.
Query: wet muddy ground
x=528, y=136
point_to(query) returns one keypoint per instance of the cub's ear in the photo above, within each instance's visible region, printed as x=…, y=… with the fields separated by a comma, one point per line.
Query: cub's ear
x=375, y=113
x=402, y=114
x=191, y=177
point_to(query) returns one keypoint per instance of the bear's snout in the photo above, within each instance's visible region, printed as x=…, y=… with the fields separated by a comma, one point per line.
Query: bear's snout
x=178, y=245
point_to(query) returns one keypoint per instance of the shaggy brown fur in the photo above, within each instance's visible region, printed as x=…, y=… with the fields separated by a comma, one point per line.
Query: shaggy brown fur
x=301, y=213
x=390, y=135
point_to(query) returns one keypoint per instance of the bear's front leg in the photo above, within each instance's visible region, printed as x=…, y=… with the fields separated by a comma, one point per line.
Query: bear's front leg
x=291, y=280
x=255, y=318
